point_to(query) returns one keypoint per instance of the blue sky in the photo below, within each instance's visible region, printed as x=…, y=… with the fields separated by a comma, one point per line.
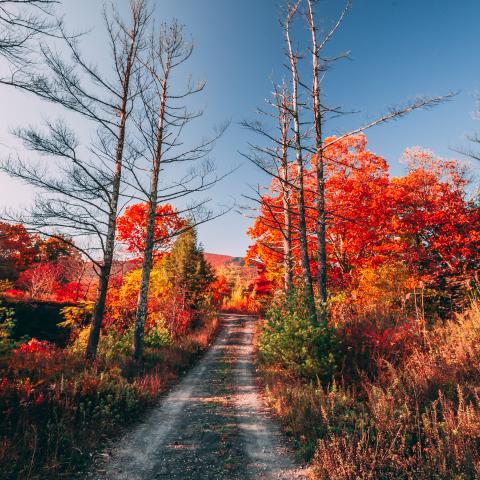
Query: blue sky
x=399, y=49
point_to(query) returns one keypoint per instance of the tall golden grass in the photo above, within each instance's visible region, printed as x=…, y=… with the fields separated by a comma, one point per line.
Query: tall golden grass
x=415, y=416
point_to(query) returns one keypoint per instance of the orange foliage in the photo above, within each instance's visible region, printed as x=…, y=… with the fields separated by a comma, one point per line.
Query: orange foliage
x=17, y=250
x=422, y=219
x=220, y=289
x=248, y=297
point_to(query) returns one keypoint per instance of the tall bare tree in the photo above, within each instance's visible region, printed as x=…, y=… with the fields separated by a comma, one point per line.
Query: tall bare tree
x=83, y=197
x=293, y=59
x=162, y=120
x=22, y=22
x=303, y=130
x=274, y=160
x=283, y=102
x=319, y=66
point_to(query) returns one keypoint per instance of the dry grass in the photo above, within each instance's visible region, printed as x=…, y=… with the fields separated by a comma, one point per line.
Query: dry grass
x=416, y=417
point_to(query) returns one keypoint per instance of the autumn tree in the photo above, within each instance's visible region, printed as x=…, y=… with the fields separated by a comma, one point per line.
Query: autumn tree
x=221, y=290
x=188, y=273
x=132, y=228
x=376, y=222
x=436, y=223
x=17, y=250
x=41, y=280
x=20, y=250
x=358, y=206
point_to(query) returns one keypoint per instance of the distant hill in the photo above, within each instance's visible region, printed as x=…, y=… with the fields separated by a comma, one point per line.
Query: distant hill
x=217, y=260
x=233, y=268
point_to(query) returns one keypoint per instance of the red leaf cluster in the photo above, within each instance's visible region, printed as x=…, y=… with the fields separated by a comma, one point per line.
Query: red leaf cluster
x=132, y=226
x=423, y=219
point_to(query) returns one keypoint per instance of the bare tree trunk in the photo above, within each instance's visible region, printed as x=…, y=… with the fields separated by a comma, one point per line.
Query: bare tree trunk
x=302, y=227
x=142, y=305
x=106, y=269
x=284, y=117
x=161, y=123
x=287, y=247
x=319, y=166
x=316, y=48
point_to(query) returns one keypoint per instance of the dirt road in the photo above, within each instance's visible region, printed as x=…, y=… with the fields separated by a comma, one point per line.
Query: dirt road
x=212, y=425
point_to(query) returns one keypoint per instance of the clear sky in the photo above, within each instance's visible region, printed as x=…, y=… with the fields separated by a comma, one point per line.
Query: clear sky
x=399, y=49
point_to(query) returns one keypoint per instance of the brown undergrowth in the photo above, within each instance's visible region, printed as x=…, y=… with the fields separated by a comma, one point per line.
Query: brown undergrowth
x=55, y=408
x=415, y=416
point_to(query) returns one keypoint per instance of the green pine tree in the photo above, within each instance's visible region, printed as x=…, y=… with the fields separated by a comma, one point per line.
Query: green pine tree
x=188, y=271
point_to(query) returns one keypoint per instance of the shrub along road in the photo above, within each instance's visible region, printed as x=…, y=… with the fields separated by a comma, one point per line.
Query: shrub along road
x=212, y=425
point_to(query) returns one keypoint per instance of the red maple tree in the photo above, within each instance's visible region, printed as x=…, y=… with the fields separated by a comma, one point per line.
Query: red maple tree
x=131, y=228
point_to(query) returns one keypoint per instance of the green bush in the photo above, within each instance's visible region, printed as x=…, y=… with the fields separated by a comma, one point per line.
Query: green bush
x=7, y=324
x=116, y=343
x=78, y=316
x=158, y=336
x=291, y=340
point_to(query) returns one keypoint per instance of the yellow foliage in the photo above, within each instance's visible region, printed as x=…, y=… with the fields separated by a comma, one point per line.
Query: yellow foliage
x=77, y=316
x=80, y=343
x=385, y=285
x=127, y=294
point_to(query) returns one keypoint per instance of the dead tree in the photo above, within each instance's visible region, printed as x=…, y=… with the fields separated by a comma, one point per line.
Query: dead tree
x=83, y=197
x=473, y=151
x=320, y=64
x=22, y=22
x=284, y=119
x=317, y=67
x=274, y=160
x=318, y=152
x=161, y=123
x=293, y=59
